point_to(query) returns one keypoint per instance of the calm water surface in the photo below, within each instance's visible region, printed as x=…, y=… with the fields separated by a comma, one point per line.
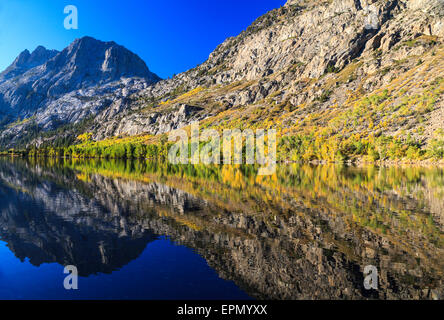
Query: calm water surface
x=140, y=230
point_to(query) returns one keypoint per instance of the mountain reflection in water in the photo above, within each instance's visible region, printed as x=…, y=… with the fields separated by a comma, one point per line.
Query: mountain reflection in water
x=305, y=233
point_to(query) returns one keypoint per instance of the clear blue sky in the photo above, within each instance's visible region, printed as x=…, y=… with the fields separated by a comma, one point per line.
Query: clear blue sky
x=171, y=36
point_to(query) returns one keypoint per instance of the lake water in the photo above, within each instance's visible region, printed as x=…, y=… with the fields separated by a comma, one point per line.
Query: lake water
x=141, y=230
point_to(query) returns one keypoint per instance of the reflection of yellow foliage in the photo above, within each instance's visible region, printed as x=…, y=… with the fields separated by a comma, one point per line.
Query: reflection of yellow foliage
x=188, y=223
x=83, y=177
x=233, y=177
x=181, y=220
x=361, y=197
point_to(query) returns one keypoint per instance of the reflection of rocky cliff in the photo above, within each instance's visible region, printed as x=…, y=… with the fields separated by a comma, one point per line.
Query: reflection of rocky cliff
x=293, y=250
x=294, y=256
x=46, y=223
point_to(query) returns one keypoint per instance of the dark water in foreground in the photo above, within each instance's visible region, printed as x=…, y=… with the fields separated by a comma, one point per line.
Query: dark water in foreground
x=138, y=230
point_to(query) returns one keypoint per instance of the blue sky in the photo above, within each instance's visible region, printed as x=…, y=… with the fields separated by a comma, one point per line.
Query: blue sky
x=171, y=36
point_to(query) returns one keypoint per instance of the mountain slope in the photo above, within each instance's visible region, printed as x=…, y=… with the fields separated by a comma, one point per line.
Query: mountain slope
x=337, y=79
x=347, y=70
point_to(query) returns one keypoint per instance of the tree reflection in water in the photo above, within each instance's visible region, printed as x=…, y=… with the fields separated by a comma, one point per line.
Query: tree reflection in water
x=306, y=232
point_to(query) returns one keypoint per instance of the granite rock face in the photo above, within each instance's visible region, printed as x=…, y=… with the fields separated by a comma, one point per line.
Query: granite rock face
x=303, y=42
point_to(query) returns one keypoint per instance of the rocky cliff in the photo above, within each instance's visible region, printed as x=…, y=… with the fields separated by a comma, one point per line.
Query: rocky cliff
x=309, y=64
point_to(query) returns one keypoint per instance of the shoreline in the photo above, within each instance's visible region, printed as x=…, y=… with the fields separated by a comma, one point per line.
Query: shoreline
x=358, y=162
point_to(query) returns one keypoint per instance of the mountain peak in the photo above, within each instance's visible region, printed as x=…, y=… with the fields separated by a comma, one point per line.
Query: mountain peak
x=90, y=40
x=26, y=61
x=22, y=57
x=40, y=50
x=35, y=80
x=87, y=42
x=90, y=61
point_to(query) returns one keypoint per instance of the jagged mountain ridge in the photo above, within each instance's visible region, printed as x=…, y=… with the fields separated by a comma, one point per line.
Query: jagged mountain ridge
x=53, y=87
x=26, y=61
